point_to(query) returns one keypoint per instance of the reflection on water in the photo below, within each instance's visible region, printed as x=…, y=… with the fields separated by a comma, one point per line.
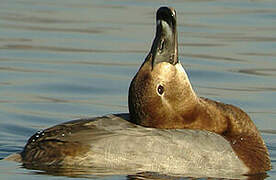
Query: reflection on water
x=61, y=60
x=96, y=173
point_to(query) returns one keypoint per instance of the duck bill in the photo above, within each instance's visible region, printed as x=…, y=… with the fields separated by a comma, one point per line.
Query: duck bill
x=165, y=44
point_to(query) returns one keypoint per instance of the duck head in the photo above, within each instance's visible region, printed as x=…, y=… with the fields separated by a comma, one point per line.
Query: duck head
x=160, y=94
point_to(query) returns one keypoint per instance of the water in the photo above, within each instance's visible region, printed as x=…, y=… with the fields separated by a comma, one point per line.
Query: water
x=66, y=59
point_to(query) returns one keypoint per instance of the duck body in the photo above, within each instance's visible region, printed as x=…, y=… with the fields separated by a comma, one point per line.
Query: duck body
x=114, y=142
x=169, y=129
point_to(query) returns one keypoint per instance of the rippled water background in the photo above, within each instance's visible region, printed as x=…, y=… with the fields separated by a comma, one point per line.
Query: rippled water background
x=67, y=59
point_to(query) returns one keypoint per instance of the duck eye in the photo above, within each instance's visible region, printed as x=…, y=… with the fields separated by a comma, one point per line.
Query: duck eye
x=160, y=89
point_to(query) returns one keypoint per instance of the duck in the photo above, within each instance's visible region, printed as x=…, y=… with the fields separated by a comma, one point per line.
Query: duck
x=169, y=129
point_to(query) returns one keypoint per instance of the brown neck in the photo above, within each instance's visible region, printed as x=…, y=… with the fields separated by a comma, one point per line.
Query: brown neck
x=237, y=127
x=230, y=122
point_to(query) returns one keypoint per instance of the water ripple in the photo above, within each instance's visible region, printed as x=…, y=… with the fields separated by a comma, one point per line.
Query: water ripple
x=258, y=54
x=258, y=71
x=212, y=57
x=65, y=49
x=17, y=69
x=94, y=30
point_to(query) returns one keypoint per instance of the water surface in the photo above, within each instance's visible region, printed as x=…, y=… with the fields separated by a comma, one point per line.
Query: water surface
x=66, y=59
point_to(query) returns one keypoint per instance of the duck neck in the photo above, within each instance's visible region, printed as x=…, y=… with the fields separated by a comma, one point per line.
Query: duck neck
x=236, y=127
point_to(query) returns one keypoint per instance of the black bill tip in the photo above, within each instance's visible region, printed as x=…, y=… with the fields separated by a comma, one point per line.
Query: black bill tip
x=166, y=14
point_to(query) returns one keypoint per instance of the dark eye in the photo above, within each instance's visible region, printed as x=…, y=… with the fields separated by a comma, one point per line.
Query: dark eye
x=160, y=89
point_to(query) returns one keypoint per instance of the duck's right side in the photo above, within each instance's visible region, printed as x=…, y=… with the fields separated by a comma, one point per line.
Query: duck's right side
x=161, y=96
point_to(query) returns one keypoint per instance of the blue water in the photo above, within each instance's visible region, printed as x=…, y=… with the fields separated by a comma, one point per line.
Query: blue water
x=66, y=59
